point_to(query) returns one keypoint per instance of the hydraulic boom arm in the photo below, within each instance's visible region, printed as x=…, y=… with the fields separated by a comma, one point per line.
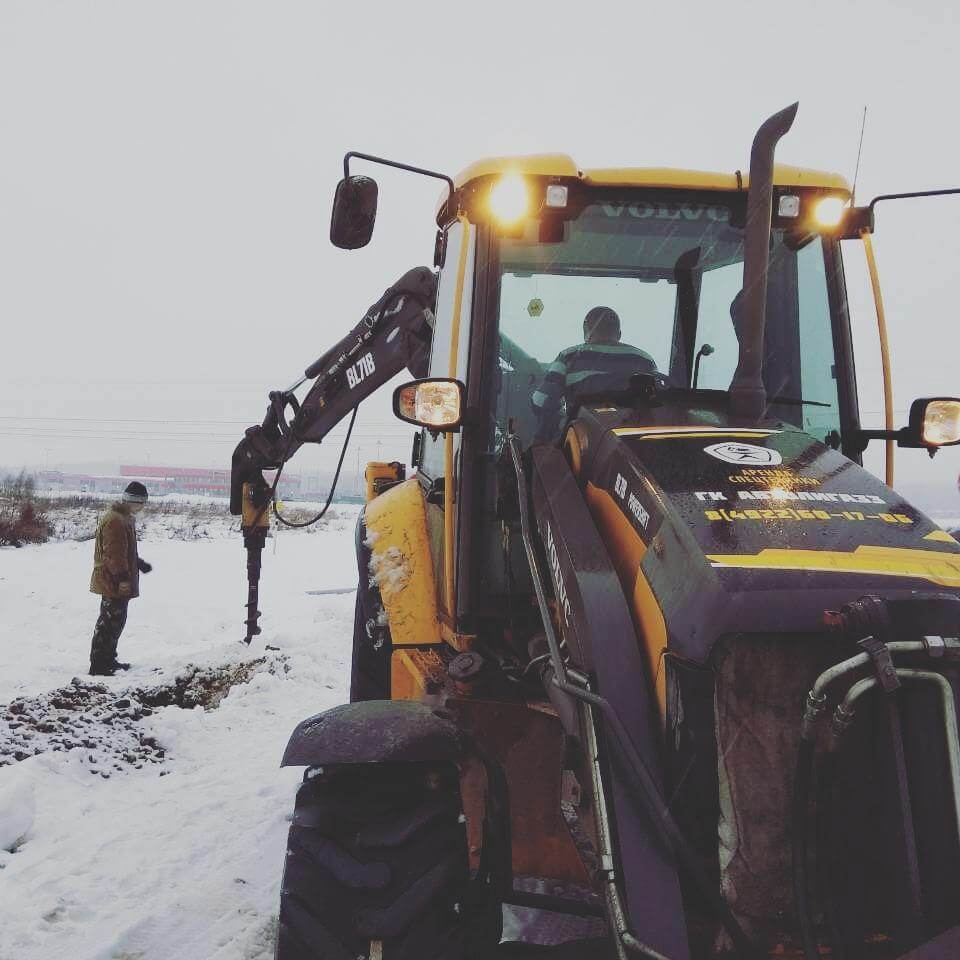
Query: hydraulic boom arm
x=394, y=333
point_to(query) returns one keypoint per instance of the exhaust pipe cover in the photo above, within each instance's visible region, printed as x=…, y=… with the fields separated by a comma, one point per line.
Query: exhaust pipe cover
x=748, y=396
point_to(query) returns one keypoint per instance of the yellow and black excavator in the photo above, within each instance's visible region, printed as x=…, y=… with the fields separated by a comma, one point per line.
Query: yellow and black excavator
x=640, y=642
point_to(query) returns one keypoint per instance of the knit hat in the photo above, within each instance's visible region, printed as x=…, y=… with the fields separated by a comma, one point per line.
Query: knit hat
x=601, y=325
x=136, y=492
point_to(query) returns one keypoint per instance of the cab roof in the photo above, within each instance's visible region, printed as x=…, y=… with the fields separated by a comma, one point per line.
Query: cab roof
x=562, y=165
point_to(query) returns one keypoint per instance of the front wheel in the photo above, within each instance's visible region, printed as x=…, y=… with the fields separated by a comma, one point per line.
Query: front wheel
x=377, y=866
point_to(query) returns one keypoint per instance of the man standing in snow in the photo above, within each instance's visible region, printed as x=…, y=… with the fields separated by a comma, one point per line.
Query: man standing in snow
x=116, y=577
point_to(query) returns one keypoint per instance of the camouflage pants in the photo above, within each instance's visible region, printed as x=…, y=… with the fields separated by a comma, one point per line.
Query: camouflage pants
x=110, y=623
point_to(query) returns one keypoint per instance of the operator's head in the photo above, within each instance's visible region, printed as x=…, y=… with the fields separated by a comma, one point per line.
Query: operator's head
x=601, y=325
x=135, y=496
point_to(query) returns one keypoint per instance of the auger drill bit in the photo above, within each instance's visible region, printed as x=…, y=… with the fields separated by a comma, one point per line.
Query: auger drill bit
x=255, y=524
x=254, y=541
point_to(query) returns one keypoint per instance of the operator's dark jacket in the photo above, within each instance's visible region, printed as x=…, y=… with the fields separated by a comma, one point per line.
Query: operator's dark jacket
x=582, y=369
x=115, y=555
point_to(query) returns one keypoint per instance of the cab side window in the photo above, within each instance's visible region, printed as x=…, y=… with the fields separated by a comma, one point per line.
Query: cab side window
x=432, y=456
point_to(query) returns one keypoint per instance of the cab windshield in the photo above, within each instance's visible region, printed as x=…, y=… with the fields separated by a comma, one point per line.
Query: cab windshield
x=668, y=270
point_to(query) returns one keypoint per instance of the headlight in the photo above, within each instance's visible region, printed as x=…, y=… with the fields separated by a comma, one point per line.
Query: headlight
x=510, y=199
x=829, y=211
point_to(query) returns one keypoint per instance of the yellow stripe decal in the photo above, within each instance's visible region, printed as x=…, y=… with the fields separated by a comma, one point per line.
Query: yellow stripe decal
x=741, y=434
x=657, y=433
x=940, y=536
x=935, y=566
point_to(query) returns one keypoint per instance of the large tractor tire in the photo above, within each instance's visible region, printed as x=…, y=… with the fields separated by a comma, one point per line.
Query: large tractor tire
x=377, y=866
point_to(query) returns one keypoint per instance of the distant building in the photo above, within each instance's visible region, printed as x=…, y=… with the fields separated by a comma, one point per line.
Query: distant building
x=198, y=480
x=57, y=480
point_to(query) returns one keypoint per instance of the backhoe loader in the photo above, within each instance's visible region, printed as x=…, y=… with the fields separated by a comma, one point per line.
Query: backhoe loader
x=640, y=643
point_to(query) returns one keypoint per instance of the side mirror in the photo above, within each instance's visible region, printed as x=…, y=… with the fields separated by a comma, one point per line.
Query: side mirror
x=436, y=403
x=354, y=213
x=934, y=423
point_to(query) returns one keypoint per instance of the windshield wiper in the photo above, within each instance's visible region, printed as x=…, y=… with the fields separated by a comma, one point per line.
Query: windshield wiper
x=795, y=402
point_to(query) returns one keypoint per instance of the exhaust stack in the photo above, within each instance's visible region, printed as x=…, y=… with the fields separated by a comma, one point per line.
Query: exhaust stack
x=748, y=396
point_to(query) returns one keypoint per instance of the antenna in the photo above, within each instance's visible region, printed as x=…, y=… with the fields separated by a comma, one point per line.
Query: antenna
x=853, y=189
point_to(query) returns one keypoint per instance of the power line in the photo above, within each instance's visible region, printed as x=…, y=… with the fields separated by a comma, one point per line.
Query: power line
x=238, y=435
x=237, y=423
x=368, y=439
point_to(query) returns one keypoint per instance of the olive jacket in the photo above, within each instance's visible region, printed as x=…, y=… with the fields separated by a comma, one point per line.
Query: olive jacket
x=116, y=573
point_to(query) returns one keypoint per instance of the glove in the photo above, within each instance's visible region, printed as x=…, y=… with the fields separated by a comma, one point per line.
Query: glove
x=143, y=566
x=123, y=588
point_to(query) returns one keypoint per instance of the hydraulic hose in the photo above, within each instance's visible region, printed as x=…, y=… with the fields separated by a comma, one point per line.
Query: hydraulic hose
x=843, y=717
x=641, y=784
x=949, y=709
x=838, y=670
x=333, y=485
x=866, y=618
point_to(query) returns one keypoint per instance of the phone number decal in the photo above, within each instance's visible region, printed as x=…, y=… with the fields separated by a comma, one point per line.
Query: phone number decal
x=789, y=513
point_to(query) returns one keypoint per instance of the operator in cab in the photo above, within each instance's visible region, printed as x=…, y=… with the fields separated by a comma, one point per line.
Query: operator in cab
x=601, y=362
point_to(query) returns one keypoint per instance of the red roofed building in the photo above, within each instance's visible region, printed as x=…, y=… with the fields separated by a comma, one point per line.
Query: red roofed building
x=197, y=480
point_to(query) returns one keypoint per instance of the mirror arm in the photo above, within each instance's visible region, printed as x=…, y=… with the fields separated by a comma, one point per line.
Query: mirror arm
x=910, y=196
x=860, y=220
x=857, y=440
x=398, y=166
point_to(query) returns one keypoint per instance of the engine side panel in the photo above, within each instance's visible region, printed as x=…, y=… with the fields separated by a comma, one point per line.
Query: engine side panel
x=751, y=530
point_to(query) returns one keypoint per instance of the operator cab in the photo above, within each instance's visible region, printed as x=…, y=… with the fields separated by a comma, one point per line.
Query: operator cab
x=534, y=245
x=670, y=264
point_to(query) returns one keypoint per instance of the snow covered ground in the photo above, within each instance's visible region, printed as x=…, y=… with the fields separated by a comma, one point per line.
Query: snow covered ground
x=178, y=850
x=148, y=820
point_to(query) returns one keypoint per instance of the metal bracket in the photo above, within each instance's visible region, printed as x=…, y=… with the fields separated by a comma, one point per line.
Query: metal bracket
x=936, y=647
x=877, y=650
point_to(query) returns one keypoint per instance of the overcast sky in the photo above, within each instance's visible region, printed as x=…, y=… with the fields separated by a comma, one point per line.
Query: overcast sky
x=166, y=171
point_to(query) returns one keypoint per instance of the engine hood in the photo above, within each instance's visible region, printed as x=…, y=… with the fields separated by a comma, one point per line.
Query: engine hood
x=735, y=529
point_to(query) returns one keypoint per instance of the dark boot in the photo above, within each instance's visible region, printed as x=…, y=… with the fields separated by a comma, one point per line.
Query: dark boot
x=119, y=665
x=103, y=648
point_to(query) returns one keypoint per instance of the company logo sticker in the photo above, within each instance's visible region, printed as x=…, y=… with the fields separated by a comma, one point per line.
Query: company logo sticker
x=744, y=454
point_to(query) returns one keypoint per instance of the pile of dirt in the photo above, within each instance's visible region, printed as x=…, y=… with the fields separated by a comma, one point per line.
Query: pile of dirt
x=203, y=686
x=106, y=725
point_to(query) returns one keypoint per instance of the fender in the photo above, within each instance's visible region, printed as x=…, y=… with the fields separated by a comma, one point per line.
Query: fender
x=374, y=731
x=401, y=564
